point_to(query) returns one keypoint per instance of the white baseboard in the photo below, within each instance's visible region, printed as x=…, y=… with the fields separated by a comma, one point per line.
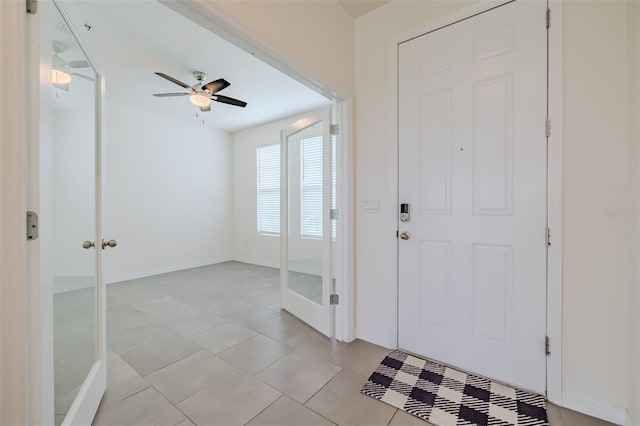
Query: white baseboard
x=67, y=284
x=302, y=270
x=266, y=264
x=610, y=413
x=160, y=271
x=375, y=337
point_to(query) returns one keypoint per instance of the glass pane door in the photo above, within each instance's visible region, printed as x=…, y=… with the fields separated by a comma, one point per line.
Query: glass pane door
x=70, y=125
x=306, y=185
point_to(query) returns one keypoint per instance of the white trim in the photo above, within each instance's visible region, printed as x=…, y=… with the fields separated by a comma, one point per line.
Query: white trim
x=607, y=412
x=346, y=225
x=554, y=207
x=316, y=315
x=89, y=396
x=257, y=262
x=373, y=336
x=14, y=297
x=554, y=299
x=38, y=176
x=427, y=27
x=273, y=265
x=159, y=271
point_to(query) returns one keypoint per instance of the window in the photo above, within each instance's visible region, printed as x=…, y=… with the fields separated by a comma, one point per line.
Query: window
x=268, y=189
x=311, y=187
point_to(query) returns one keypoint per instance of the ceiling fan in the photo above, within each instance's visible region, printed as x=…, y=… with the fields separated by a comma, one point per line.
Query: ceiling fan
x=61, y=69
x=201, y=94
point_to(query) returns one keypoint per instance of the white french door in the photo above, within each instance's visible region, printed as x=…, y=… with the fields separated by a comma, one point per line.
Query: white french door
x=64, y=172
x=472, y=171
x=306, y=232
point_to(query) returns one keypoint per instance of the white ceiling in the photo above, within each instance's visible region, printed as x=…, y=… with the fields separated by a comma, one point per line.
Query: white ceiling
x=133, y=39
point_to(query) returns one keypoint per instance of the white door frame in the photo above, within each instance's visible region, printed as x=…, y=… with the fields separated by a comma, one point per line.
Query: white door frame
x=317, y=316
x=554, y=175
x=37, y=170
x=87, y=401
x=344, y=259
x=14, y=295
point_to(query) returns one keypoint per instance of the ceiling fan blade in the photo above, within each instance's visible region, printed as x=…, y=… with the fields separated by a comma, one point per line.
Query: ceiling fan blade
x=205, y=108
x=167, y=95
x=83, y=76
x=217, y=85
x=58, y=61
x=78, y=64
x=227, y=100
x=173, y=80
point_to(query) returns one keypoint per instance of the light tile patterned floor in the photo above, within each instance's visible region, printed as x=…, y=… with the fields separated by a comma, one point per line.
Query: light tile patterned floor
x=209, y=346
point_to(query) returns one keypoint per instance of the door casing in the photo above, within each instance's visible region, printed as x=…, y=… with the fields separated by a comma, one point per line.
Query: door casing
x=15, y=339
x=554, y=175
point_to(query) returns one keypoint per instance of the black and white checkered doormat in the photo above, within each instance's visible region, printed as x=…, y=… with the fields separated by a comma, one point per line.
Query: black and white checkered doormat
x=446, y=397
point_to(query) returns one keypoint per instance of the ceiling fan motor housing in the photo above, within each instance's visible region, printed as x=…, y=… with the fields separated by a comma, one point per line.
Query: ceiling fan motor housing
x=200, y=76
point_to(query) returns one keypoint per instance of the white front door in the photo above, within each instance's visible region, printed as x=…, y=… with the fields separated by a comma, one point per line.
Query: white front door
x=472, y=169
x=65, y=190
x=306, y=231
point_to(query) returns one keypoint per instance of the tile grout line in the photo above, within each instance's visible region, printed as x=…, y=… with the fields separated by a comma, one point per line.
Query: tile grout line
x=267, y=407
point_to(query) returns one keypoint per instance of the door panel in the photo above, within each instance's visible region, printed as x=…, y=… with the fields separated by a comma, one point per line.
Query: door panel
x=70, y=126
x=472, y=275
x=306, y=175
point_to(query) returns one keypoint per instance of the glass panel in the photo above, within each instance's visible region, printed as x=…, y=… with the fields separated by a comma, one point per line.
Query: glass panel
x=74, y=216
x=305, y=212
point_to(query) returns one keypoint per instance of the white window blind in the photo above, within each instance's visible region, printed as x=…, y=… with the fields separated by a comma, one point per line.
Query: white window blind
x=268, y=188
x=311, y=187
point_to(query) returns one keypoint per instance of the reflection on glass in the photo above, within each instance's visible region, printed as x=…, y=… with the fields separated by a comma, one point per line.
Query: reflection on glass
x=305, y=212
x=73, y=184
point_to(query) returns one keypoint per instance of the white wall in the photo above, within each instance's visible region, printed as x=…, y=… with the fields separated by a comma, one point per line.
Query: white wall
x=314, y=38
x=596, y=178
x=167, y=195
x=249, y=245
x=596, y=263
x=633, y=397
x=375, y=153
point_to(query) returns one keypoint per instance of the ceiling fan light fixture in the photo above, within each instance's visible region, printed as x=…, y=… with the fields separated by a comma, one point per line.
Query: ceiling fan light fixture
x=60, y=77
x=199, y=100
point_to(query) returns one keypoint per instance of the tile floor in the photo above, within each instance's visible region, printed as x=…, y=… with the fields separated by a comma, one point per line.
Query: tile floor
x=209, y=346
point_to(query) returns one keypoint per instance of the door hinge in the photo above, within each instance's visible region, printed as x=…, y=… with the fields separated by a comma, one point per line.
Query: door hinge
x=334, y=214
x=334, y=299
x=547, y=236
x=548, y=17
x=334, y=129
x=32, y=226
x=32, y=7
x=547, y=346
x=547, y=127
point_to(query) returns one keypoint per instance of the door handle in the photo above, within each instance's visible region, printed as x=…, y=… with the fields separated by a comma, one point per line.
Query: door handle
x=88, y=244
x=110, y=243
x=405, y=235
